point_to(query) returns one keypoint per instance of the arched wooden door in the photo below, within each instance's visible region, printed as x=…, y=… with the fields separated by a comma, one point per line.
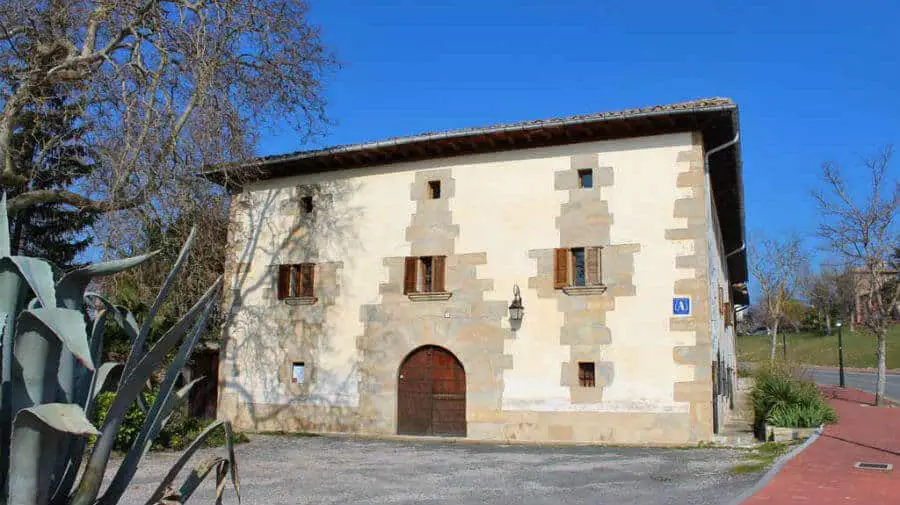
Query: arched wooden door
x=431, y=394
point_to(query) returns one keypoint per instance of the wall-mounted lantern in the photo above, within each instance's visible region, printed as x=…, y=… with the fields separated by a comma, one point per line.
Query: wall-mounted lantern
x=516, y=308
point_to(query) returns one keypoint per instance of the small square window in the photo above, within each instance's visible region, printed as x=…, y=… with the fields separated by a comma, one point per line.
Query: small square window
x=298, y=372
x=586, y=178
x=434, y=189
x=306, y=203
x=586, y=374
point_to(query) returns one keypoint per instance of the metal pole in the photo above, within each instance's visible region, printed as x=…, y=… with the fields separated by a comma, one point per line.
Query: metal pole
x=841, y=353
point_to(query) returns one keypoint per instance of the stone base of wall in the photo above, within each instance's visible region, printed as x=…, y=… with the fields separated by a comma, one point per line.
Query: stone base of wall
x=627, y=428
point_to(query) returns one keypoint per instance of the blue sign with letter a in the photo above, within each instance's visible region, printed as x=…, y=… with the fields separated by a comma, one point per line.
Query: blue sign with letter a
x=681, y=306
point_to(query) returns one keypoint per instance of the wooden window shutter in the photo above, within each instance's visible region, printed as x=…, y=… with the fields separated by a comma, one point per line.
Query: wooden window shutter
x=561, y=268
x=284, y=281
x=438, y=266
x=307, y=280
x=410, y=275
x=592, y=265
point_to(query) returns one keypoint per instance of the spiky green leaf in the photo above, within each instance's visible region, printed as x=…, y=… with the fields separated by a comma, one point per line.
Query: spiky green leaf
x=37, y=433
x=67, y=325
x=71, y=288
x=138, y=344
x=129, y=388
x=37, y=274
x=4, y=228
x=156, y=415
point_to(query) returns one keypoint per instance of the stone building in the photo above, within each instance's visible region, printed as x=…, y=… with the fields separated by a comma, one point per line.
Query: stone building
x=370, y=284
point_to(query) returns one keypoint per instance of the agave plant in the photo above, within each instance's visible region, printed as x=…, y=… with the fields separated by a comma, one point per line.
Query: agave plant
x=52, y=338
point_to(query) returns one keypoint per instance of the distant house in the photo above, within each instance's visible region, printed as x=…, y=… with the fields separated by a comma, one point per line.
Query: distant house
x=375, y=286
x=863, y=290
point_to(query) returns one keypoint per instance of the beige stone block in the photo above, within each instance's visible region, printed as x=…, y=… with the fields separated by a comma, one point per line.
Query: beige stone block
x=560, y=433
x=690, y=208
x=691, y=354
x=693, y=391
x=693, y=155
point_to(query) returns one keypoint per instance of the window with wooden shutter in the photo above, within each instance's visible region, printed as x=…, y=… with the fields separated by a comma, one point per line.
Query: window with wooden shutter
x=307, y=279
x=284, y=281
x=438, y=274
x=561, y=268
x=297, y=282
x=410, y=275
x=592, y=265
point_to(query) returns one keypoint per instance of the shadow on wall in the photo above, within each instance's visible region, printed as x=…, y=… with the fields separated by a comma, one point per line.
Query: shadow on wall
x=266, y=335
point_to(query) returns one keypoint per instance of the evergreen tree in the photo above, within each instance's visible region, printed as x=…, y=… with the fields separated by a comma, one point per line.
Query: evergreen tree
x=53, y=154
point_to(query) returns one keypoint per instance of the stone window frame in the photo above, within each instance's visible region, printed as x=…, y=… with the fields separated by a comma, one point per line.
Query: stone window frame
x=414, y=281
x=564, y=271
x=433, y=189
x=287, y=290
x=285, y=374
x=581, y=173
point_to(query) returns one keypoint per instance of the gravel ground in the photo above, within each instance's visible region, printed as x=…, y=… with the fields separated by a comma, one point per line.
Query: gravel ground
x=285, y=470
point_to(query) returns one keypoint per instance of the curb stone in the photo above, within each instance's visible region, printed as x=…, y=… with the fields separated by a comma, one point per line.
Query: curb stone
x=779, y=463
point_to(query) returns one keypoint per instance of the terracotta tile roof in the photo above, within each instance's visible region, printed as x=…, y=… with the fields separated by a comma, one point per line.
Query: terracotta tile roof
x=698, y=105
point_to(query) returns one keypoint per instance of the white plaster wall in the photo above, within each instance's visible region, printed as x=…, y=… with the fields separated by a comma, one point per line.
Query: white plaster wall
x=506, y=205
x=642, y=203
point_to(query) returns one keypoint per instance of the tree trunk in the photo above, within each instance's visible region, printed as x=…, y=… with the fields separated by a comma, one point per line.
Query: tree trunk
x=879, y=383
x=784, y=346
x=774, y=341
x=828, y=324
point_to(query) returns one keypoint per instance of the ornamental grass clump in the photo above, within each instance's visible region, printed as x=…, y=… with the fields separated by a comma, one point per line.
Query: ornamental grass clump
x=51, y=341
x=782, y=397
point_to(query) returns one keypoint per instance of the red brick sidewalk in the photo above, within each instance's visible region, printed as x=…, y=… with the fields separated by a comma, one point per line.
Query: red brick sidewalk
x=824, y=474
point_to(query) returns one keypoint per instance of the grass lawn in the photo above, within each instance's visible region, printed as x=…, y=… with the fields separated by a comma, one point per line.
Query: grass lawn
x=817, y=349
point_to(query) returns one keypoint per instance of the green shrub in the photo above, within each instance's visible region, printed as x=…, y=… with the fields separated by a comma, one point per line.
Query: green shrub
x=176, y=435
x=781, y=397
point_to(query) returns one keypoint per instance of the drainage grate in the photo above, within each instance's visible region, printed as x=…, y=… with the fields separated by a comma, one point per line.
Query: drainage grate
x=884, y=467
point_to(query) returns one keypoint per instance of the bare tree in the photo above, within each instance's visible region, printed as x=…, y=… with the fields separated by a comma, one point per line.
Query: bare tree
x=831, y=292
x=777, y=264
x=164, y=87
x=862, y=227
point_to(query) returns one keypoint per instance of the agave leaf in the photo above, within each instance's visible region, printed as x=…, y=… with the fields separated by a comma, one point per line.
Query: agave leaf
x=67, y=325
x=137, y=345
x=221, y=473
x=176, y=468
x=156, y=415
x=198, y=475
x=71, y=288
x=120, y=315
x=177, y=400
x=37, y=433
x=130, y=387
x=4, y=228
x=98, y=384
x=40, y=337
x=10, y=297
x=36, y=273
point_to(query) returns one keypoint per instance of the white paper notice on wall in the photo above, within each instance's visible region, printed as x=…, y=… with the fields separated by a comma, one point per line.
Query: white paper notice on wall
x=298, y=372
x=681, y=306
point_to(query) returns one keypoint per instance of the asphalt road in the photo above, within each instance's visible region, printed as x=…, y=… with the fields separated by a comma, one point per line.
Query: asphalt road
x=859, y=380
x=284, y=470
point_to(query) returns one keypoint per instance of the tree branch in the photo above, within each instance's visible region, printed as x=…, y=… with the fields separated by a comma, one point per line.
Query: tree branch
x=30, y=198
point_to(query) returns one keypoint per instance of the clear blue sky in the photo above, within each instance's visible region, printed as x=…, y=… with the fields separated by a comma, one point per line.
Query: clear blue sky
x=814, y=80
